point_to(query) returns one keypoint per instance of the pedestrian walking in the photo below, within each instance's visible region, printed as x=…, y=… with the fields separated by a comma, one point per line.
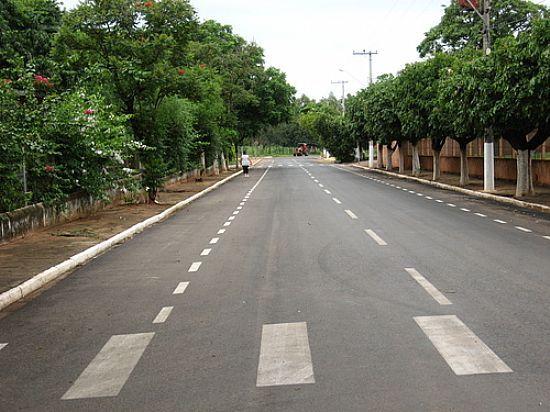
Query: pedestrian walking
x=246, y=163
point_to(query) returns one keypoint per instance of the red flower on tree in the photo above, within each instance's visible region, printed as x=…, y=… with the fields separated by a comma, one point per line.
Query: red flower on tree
x=49, y=169
x=181, y=72
x=89, y=111
x=42, y=81
x=148, y=4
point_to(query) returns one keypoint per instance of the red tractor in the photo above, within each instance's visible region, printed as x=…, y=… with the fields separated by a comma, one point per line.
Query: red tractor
x=301, y=150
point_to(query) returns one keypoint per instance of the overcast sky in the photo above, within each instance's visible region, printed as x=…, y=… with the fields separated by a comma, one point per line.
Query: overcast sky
x=312, y=40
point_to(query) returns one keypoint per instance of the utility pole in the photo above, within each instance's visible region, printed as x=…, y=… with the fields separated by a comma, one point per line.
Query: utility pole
x=371, y=142
x=343, y=83
x=489, y=140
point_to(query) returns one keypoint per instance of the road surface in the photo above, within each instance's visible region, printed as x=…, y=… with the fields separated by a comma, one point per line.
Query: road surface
x=306, y=287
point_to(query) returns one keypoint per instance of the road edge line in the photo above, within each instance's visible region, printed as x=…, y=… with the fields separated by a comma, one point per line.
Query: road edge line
x=473, y=193
x=41, y=279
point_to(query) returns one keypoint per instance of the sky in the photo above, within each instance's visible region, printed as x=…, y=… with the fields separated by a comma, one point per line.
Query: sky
x=313, y=41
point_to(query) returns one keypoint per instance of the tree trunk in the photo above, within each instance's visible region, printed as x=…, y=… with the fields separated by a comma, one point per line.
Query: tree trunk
x=401, y=158
x=236, y=156
x=436, y=165
x=379, y=160
x=389, y=153
x=223, y=162
x=464, y=172
x=524, y=185
x=415, y=160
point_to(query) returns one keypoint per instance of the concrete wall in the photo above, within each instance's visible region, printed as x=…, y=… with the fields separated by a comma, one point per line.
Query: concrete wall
x=29, y=218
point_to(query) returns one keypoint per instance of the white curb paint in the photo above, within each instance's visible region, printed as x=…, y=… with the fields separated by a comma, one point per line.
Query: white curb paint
x=38, y=281
x=463, y=351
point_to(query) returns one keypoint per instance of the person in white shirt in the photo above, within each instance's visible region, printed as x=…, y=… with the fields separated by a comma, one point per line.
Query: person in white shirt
x=246, y=163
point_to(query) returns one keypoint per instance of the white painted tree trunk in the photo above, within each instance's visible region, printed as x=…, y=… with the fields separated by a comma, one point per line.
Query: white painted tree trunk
x=389, y=153
x=223, y=162
x=415, y=160
x=524, y=185
x=436, y=165
x=464, y=171
x=402, y=159
x=379, y=160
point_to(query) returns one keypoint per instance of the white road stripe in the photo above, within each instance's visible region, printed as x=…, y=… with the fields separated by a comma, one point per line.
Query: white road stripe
x=3, y=345
x=376, y=238
x=502, y=222
x=241, y=204
x=451, y=205
x=336, y=201
x=351, y=214
x=221, y=231
x=231, y=218
x=180, y=288
x=163, y=314
x=214, y=240
x=480, y=214
x=206, y=252
x=412, y=191
x=227, y=223
x=465, y=210
x=429, y=198
x=328, y=192
x=398, y=187
x=523, y=229
x=316, y=181
x=439, y=201
x=111, y=368
x=236, y=212
x=546, y=237
x=195, y=266
x=285, y=357
x=239, y=208
x=419, y=194
x=463, y=351
x=428, y=287
x=321, y=185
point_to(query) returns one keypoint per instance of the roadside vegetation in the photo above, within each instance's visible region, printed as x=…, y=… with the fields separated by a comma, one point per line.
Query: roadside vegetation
x=114, y=89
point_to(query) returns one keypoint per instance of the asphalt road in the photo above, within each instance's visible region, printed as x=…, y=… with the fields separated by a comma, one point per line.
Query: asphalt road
x=331, y=289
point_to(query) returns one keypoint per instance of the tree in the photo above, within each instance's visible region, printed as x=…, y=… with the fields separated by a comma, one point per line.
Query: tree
x=519, y=96
x=460, y=28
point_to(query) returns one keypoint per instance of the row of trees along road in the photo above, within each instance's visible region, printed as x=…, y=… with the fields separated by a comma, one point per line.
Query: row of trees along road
x=90, y=96
x=456, y=92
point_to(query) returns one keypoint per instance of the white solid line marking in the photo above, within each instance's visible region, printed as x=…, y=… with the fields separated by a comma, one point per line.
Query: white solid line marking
x=464, y=209
x=111, y=368
x=376, y=238
x=328, y=192
x=180, y=288
x=523, y=229
x=231, y=218
x=206, y=252
x=502, y=222
x=214, y=240
x=194, y=266
x=451, y=205
x=439, y=201
x=285, y=357
x=463, y=351
x=336, y=201
x=221, y=231
x=227, y=223
x=351, y=214
x=428, y=287
x=163, y=314
x=3, y=345
x=480, y=214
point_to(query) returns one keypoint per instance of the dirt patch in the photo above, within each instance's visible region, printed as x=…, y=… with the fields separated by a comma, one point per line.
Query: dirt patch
x=24, y=257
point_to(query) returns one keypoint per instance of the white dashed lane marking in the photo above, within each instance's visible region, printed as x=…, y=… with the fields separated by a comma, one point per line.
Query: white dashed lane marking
x=328, y=192
x=111, y=368
x=336, y=201
x=546, y=237
x=180, y=288
x=285, y=357
x=451, y=205
x=163, y=314
x=463, y=351
x=351, y=214
x=502, y=222
x=523, y=229
x=195, y=266
x=480, y=214
x=231, y=218
x=221, y=231
x=3, y=345
x=227, y=223
x=214, y=240
x=428, y=287
x=465, y=210
x=439, y=201
x=236, y=212
x=206, y=252
x=376, y=238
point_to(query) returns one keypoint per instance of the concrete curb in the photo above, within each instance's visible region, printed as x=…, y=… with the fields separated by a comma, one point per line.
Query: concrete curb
x=38, y=281
x=473, y=193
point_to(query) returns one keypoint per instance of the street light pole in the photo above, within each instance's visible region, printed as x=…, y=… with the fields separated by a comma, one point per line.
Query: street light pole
x=371, y=142
x=343, y=83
